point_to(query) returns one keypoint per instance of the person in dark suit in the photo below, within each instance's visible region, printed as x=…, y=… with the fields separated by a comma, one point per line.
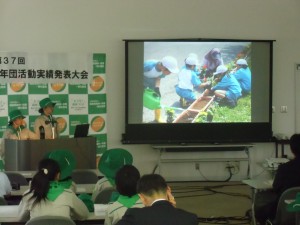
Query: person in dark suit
x=287, y=176
x=160, y=205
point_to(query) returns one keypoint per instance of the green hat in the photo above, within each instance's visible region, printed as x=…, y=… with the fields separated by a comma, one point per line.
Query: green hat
x=15, y=114
x=66, y=161
x=112, y=160
x=45, y=102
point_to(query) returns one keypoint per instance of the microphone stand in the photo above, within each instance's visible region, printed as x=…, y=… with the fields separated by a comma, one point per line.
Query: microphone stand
x=52, y=125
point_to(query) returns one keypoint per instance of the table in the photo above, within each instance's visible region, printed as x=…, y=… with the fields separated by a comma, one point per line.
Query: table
x=9, y=215
x=257, y=185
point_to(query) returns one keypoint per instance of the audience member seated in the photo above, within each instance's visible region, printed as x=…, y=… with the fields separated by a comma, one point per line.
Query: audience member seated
x=47, y=197
x=287, y=176
x=111, y=161
x=126, y=180
x=67, y=162
x=160, y=205
x=5, y=186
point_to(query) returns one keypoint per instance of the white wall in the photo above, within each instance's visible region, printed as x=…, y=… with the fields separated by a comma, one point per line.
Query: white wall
x=101, y=25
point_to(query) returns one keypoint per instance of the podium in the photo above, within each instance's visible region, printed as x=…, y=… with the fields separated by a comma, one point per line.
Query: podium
x=24, y=155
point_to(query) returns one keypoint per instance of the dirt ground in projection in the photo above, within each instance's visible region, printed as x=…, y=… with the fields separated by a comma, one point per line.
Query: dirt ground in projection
x=180, y=52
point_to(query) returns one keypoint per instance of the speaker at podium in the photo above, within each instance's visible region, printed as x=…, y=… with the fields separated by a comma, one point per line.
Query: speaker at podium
x=24, y=155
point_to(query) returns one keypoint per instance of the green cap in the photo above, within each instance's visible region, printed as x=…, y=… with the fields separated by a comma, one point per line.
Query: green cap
x=66, y=161
x=45, y=102
x=15, y=114
x=112, y=160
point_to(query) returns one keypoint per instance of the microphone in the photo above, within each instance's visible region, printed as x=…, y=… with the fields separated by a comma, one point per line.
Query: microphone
x=42, y=132
x=51, y=120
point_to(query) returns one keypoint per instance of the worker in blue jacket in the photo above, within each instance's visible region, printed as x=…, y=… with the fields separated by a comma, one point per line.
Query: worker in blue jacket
x=227, y=88
x=243, y=76
x=154, y=70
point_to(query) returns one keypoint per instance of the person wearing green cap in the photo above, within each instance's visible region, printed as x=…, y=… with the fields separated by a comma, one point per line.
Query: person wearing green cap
x=46, y=197
x=67, y=163
x=45, y=125
x=5, y=185
x=126, y=180
x=110, y=162
x=16, y=127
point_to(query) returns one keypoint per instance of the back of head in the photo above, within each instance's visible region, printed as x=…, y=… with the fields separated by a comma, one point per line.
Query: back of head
x=150, y=184
x=112, y=160
x=126, y=180
x=66, y=161
x=48, y=170
x=295, y=144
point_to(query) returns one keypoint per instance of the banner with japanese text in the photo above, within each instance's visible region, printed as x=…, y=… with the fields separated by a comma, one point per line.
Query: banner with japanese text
x=75, y=82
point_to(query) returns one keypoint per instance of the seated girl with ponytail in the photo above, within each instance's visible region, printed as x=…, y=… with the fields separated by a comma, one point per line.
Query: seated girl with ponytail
x=46, y=197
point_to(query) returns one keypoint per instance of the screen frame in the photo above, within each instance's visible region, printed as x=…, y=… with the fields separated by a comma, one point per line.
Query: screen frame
x=164, y=133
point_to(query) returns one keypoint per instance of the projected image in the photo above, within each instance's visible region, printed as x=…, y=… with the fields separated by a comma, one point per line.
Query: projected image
x=197, y=82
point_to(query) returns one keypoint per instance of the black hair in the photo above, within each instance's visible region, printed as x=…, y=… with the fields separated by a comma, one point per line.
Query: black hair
x=152, y=183
x=243, y=66
x=40, y=184
x=295, y=144
x=188, y=66
x=126, y=180
x=41, y=111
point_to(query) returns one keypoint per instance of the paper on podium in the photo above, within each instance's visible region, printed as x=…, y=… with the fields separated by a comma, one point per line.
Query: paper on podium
x=100, y=209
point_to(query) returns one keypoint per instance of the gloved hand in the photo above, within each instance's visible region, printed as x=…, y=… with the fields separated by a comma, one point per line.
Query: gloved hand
x=156, y=89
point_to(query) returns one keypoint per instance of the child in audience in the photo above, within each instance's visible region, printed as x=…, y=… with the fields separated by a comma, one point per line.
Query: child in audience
x=67, y=162
x=126, y=181
x=5, y=186
x=46, y=197
x=111, y=161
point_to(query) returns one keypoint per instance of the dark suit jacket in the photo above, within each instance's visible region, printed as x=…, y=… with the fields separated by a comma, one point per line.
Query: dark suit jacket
x=160, y=213
x=287, y=176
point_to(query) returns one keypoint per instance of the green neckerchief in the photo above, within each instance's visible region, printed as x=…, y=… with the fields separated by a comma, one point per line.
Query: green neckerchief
x=128, y=201
x=15, y=131
x=55, y=190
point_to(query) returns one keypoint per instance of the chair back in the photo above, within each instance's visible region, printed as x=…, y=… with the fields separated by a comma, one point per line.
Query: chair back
x=50, y=220
x=104, y=196
x=16, y=178
x=2, y=201
x=84, y=177
x=283, y=217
